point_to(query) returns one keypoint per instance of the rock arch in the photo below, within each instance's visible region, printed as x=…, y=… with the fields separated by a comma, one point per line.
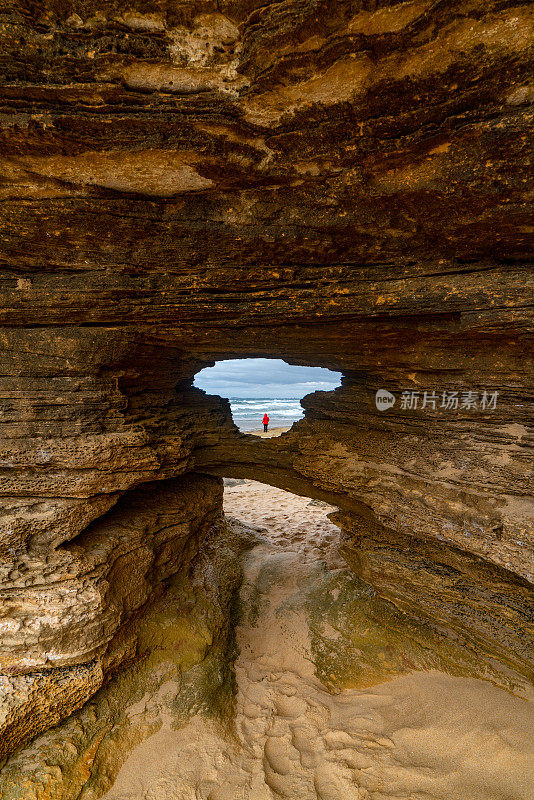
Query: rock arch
x=334, y=187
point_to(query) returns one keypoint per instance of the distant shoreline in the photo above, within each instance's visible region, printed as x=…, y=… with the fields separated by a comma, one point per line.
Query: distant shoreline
x=247, y=413
x=270, y=433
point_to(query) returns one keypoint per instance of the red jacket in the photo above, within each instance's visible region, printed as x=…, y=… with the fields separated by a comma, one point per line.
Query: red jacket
x=265, y=419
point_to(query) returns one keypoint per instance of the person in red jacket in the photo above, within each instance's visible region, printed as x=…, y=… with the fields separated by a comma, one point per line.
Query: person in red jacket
x=265, y=423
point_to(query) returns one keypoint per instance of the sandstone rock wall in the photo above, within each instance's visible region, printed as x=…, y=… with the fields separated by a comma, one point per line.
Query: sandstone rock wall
x=338, y=184
x=71, y=622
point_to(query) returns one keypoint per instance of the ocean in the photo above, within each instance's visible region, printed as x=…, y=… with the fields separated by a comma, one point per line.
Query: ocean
x=248, y=412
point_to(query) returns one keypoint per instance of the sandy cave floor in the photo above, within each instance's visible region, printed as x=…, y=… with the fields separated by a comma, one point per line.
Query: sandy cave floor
x=423, y=735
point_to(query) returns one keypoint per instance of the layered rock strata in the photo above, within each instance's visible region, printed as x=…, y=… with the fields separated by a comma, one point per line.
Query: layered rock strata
x=302, y=682
x=181, y=650
x=341, y=184
x=93, y=593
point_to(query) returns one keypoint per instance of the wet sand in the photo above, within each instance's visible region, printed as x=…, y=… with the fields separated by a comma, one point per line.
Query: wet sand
x=422, y=735
x=267, y=435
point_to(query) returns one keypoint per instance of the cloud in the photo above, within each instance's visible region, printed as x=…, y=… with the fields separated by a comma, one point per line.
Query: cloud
x=264, y=377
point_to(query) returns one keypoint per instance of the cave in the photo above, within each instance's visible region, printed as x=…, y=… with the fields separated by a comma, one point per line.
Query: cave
x=337, y=185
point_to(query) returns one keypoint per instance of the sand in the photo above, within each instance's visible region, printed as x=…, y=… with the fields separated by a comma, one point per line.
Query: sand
x=271, y=433
x=425, y=735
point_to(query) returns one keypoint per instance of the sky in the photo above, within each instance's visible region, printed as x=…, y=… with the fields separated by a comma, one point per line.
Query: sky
x=264, y=377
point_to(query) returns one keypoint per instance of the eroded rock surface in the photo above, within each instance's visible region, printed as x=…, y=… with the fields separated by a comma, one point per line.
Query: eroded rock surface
x=338, y=184
x=94, y=589
x=329, y=691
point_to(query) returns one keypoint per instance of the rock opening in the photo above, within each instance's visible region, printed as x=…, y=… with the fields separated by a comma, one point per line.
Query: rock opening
x=341, y=184
x=337, y=694
x=264, y=394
